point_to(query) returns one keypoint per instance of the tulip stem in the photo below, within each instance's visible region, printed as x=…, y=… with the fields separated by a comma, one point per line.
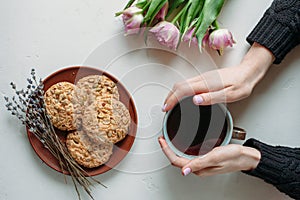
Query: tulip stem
x=118, y=13
x=130, y=2
x=146, y=6
x=181, y=12
x=216, y=24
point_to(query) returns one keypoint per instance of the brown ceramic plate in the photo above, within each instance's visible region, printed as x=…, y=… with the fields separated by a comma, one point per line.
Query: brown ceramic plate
x=72, y=75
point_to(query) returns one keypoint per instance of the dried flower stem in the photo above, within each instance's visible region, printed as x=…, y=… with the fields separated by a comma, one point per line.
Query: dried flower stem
x=29, y=107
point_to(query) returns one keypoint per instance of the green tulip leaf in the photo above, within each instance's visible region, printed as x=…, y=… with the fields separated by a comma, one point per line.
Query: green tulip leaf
x=183, y=23
x=130, y=2
x=141, y=4
x=209, y=13
x=194, y=9
x=154, y=8
x=175, y=4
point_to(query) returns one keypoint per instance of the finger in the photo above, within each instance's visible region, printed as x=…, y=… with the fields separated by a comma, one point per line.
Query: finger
x=170, y=101
x=208, y=82
x=210, y=98
x=216, y=161
x=210, y=171
x=226, y=95
x=173, y=158
x=179, y=90
x=195, y=165
x=212, y=80
x=212, y=159
x=182, y=89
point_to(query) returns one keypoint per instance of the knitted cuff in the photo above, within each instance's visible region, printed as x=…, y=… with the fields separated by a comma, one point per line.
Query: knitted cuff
x=279, y=166
x=273, y=35
x=270, y=165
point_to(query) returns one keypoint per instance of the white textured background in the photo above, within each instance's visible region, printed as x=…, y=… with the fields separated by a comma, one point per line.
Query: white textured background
x=49, y=35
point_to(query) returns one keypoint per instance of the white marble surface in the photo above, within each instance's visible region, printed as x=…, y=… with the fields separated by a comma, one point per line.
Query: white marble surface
x=50, y=35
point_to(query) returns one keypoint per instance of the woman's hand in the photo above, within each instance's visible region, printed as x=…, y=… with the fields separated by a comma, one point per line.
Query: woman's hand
x=220, y=160
x=227, y=84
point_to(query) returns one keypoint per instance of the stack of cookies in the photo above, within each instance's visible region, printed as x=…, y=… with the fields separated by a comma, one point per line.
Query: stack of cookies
x=91, y=114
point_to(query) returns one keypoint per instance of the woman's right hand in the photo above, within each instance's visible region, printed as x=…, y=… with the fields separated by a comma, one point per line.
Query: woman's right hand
x=220, y=160
x=224, y=85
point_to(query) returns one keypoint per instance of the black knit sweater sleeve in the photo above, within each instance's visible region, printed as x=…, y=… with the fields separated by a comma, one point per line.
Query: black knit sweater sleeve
x=279, y=166
x=279, y=28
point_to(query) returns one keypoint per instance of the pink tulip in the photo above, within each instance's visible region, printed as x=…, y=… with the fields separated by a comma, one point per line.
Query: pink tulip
x=132, y=18
x=166, y=34
x=189, y=34
x=219, y=39
x=205, y=39
x=163, y=12
x=188, y=37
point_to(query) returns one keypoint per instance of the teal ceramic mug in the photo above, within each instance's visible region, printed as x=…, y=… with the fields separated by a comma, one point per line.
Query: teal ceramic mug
x=192, y=131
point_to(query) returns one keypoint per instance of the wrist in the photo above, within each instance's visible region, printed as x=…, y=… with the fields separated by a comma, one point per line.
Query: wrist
x=252, y=156
x=256, y=63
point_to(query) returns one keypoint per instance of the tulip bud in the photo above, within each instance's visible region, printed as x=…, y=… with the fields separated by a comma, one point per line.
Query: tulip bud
x=132, y=18
x=166, y=34
x=188, y=36
x=163, y=12
x=219, y=39
x=205, y=39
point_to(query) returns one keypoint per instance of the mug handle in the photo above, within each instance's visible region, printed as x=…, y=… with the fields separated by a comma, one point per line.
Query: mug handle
x=238, y=133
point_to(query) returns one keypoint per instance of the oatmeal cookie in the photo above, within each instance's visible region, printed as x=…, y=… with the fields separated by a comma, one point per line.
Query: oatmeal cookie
x=93, y=86
x=59, y=105
x=88, y=151
x=109, y=116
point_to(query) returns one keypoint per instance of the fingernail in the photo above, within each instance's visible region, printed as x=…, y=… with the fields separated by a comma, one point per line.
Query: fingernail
x=159, y=142
x=198, y=99
x=164, y=108
x=187, y=171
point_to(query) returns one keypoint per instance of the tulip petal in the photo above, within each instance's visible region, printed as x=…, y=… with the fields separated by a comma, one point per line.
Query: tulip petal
x=220, y=39
x=166, y=34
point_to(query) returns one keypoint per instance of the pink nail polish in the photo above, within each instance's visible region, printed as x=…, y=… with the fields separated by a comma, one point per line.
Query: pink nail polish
x=187, y=171
x=198, y=99
x=164, y=108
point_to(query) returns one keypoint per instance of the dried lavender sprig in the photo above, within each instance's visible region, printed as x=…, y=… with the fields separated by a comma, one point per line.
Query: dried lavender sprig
x=55, y=153
x=81, y=179
x=63, y=150
x=30, y=110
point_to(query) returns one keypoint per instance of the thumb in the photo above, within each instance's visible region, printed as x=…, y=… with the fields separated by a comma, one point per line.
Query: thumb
x=210, y=98
x=194, y=165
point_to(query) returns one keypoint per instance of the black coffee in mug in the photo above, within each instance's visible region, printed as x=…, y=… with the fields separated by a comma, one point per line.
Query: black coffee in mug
x=196, y=130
